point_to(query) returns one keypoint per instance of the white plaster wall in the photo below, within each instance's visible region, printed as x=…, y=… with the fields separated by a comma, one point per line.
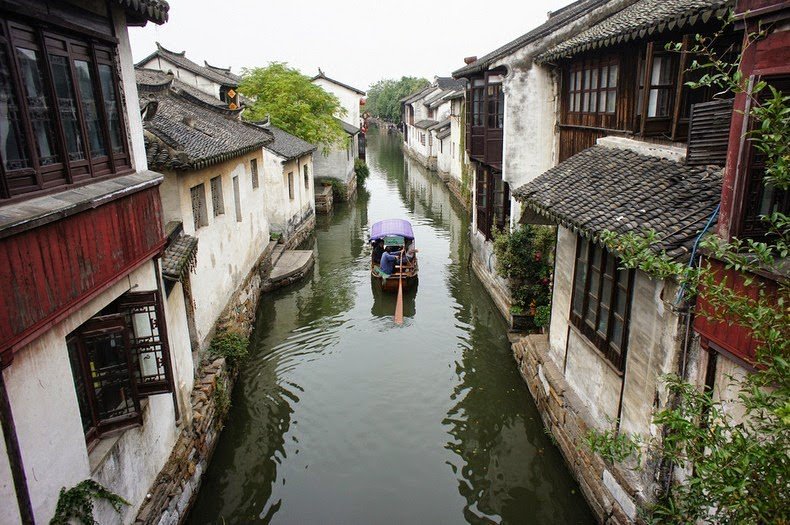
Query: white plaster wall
x=187, y=77
x=10, y=512
x=227, y=249
x=653, y=348
x=334, y=164
x=41, y=389
x=565, y=253
x=130, y=97
x=456, y=153
x=180, y=348
x=349, y=100
x=281, y=208
x=443, y=158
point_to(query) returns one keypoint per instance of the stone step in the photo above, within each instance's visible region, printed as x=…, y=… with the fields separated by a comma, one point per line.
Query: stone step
x=290, y=263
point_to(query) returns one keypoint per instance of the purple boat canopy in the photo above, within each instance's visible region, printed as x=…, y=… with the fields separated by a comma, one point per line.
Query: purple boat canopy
x=390, y=227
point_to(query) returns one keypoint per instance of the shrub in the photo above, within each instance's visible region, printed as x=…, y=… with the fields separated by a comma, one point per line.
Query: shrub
x=231, y=345
x=361, y=169
x=524, y=258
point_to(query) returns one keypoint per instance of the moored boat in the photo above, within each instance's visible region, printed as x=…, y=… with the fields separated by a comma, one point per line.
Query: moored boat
x=395, y=237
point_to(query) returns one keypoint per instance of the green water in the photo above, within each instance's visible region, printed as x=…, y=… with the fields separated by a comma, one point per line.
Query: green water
x=340, y=416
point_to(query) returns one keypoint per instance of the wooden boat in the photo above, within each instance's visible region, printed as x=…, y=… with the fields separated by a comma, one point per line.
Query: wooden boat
x=396, y=234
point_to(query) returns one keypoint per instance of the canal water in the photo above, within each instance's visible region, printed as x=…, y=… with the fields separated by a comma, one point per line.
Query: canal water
x=341, y=416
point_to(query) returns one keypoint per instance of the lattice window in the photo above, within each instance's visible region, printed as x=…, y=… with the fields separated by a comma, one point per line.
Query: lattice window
x=217, y=201
x=601, y=301
x=291, y=185
x=592, y=86
x=117, y=358
x=306, y=177
x=63, y=113
x=199, y=209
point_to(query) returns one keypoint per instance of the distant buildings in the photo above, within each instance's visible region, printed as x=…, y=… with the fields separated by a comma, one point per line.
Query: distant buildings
x=338, y=163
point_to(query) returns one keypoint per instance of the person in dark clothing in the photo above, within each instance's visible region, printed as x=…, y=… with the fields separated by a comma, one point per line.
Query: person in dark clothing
x=378, y=249
x=388, y=260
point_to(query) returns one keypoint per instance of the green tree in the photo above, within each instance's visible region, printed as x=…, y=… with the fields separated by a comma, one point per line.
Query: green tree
x=736, y=469
x=384, y=96
x=294, y=104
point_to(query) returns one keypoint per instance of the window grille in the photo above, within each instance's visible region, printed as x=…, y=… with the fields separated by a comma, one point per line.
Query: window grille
x=199, y=209
x=217, y=201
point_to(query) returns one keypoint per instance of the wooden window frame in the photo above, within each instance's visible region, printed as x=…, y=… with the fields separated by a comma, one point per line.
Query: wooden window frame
x=291, y=192
x=492, y=201
x=119, y=321
x=495, y=112
x=621, y=288
x=197, y=194
x=35, y=178
x=752, y=188
x=306, y=172
x=578, y=90
x=217, y=199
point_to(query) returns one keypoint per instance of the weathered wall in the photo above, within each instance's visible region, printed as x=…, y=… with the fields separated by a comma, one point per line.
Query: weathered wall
x=40, y=386
x=349, y=100
x=609, y=489
x=134, y=122
x=336, y=164
x=286, y=214
x=654, y=344
x=175, y=487
x=187, y=77
x=484, y=266
x=218, y=273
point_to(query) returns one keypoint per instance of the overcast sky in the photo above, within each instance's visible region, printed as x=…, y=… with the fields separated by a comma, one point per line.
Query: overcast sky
x=355, y=42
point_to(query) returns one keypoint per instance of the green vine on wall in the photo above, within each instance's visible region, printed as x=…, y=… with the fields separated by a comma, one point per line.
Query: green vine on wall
x=465, y=186
x=76, y=503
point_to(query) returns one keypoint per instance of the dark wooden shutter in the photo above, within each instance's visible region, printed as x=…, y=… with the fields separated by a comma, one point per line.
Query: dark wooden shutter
x=709, y=133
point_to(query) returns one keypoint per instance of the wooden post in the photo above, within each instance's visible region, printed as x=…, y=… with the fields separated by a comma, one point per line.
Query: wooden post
x=15, y=457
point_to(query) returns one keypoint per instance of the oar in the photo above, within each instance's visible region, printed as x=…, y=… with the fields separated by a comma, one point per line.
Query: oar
x=399, y=304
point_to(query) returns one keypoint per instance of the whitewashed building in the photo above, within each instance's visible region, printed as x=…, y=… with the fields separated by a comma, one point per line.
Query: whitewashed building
x=220, y=83
x=212, y=163
x=338, y=163
x=289, y=185
x=96, y=368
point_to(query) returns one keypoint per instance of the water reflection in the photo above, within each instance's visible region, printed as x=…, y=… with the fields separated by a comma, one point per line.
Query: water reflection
x=340, y=416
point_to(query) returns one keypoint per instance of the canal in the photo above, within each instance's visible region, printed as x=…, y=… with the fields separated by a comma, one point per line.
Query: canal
x=341, y=416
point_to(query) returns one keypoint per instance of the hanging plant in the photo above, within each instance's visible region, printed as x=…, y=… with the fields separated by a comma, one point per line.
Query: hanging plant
x=76, y=503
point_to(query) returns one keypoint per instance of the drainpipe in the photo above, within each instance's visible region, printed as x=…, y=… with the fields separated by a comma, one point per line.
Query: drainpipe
x=15, y=457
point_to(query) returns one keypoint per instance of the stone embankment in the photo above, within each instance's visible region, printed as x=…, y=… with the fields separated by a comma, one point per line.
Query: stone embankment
x=173, y=492
x=607, y=488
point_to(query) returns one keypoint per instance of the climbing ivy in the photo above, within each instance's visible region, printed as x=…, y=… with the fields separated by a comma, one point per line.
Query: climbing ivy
x=76, y=503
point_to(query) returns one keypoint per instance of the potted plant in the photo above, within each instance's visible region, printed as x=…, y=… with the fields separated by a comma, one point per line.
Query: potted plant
x=522, y=260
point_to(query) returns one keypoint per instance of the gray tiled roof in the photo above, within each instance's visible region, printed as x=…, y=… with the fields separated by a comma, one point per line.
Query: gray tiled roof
x=637, y=20
x=148, y=10
x=287, y=145
x=604, y=188
x=425, y=123
x=348, y=128
x=153, y=77
x=444, y=133
x=441, y=124
x=179, y=257
x=223, y=71
x=434, y=97
x=449, y=83
x=182, y=132
x=182, y=61
x=556, y=20
x=446, y=96
x=408, y=99
x=341, y=84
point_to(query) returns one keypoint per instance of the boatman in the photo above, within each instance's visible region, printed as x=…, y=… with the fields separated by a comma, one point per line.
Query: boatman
x=388, y=260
